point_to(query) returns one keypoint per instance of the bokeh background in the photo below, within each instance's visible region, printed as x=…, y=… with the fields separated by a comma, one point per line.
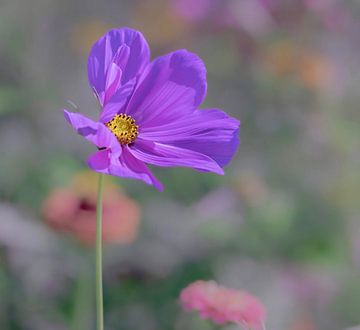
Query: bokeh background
x=283, y=223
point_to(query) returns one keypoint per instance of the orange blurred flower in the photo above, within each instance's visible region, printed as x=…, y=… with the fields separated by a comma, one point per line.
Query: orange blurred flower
x=303, y=322
x=280, y=59
x=251, y=188
x=314, y=70
x=84, y=33
x=310, y=68
x=165, y=29
x=72, y=210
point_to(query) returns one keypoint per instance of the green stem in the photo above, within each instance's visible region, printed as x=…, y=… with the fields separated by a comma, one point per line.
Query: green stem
x=83, y=296
x=98, y=257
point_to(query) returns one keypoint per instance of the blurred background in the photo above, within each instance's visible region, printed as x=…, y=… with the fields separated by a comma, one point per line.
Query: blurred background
x=283, y=223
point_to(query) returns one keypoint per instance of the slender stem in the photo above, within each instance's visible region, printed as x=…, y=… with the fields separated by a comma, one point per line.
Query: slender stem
x=98, y=257
x=83, y=296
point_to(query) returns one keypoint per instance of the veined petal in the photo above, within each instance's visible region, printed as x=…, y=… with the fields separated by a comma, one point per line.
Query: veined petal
x=209, y=132
x=126, y=48
x=117, y=102
x=100, y=160
x=171, y=87
x=113, y=82
x=95, y=132
x=129, y=167
x=165, y=155
x=122, y=56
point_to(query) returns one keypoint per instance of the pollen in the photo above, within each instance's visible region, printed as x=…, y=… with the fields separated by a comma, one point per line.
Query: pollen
x=124, y=128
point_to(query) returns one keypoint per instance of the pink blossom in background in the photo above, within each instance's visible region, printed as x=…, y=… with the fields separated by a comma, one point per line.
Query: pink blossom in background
x=334, y=15
x=251, y=16
x=215, y=12
x=192, y=10
x=72, y=210
x=223, y=305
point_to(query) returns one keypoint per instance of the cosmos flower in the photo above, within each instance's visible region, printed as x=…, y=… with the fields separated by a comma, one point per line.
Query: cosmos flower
x=72, y=210
x=223, y=305
x=149, y=111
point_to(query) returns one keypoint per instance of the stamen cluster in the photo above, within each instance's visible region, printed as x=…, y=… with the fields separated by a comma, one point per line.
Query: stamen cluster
x=124, y=128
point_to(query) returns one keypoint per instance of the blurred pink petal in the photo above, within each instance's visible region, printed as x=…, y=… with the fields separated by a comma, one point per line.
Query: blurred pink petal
x=192, y=10
x=251, y=16
x=72, y=210
x=223, y=305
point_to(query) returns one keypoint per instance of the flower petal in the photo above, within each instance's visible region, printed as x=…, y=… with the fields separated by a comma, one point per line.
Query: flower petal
x=170, y=156
x=209, y=132
x=171, y=86
x=117, y=101
x=95, y=132
x=113, y=82
x=125, y=47
x=130, y=167
x=100, y=160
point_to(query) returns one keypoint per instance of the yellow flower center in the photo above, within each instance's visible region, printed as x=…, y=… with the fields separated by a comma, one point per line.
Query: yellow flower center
x=124, y=128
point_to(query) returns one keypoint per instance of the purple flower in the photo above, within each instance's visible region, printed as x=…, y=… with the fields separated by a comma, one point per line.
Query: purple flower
x=150, y=111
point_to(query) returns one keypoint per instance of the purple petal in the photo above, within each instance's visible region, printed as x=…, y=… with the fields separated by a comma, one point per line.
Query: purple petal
x=209, y=132
x=169, y=156
x=95, y=132
x=112, y=84
x=171, y=87
x=122, y=56
x=100, y=160
x=129, y=167
x=126, y=48
x=117, y=101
